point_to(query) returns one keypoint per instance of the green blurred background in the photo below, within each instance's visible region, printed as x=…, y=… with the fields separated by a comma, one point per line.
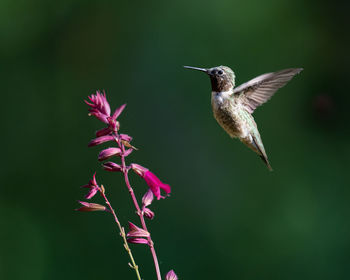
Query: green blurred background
x=227, y=217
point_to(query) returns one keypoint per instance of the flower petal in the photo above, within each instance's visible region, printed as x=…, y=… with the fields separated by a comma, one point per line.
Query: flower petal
x=155, y=184
x=109, y=152
x=112, y=167
x=137, y=240
x=125, y=137
x=103, y=131
x=149, y=214
x=165, y=187
x=100, y=140
x=118, y=111
x=88, y=207
x=135, y=231
x=127, y=152
x=91, y=193
x=99, y=106
x=171, y=275
x=138, y=169
x=147, y=198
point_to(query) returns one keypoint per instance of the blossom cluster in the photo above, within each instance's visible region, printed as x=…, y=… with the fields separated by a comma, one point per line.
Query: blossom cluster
x=99, y=107
x=113, y=159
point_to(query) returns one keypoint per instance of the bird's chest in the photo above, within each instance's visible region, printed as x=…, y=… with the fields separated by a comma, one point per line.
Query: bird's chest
x=227, y=114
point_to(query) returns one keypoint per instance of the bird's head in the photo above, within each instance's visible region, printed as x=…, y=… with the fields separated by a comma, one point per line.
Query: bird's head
x=222, y=77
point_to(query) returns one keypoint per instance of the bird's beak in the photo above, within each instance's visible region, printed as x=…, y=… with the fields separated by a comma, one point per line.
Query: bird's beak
x=196, y=68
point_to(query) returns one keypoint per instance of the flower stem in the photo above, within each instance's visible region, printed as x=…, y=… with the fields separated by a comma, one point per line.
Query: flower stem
x=122, y=233
x=138, y=209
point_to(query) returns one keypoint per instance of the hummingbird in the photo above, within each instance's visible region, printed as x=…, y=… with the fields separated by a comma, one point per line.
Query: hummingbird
x=233, y=106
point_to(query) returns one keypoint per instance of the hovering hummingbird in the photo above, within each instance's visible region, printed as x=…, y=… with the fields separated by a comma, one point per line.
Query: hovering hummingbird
x=232, y=107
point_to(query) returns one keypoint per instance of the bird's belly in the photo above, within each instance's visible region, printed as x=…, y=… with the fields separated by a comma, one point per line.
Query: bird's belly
x=229, y=121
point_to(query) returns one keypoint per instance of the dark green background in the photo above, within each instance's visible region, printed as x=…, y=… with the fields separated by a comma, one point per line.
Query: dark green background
x=227, y=217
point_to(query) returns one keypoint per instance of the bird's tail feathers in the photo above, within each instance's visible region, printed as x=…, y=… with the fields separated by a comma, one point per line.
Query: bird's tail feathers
x=262, y=153
x=266, y=162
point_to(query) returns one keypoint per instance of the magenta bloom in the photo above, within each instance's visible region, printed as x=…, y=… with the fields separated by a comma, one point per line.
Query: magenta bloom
x=99, y=107
x=152, y=180
x=155, y=184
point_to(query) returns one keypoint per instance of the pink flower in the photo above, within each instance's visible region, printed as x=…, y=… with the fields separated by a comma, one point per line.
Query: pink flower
x=138, y=169
x=125, y=137
x=92, y=185
x=100, y=140
x=171, y=275
x=135, y=231
x=155, y=184
x=88, y=207
x=103, y=131
x=152, y=180
x=109, y=152
x=99, y=106
x=147, y=198
x=112, y=167
x=149, y=214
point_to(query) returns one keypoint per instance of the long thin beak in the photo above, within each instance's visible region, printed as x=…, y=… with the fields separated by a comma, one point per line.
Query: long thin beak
x=196, y=68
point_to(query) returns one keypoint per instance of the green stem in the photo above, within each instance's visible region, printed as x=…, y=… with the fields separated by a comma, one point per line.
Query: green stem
x=122, y=234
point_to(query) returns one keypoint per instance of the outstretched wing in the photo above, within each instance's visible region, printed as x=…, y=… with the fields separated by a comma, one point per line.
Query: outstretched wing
x=260, y=89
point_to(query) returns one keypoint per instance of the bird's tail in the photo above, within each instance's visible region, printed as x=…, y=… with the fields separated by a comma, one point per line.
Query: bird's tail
x=264, y=158
x=262, y=153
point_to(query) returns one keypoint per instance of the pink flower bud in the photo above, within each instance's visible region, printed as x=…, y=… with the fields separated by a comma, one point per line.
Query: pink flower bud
x=138, y=169
x=107, y=153
x=88, y=207
x=99, y=115
x=125, y=137
x=100, y=140
x=147, y=198
x=135, y=231
x=91, y=193
x=118, y=111
x=171, y=275
x=112, y=167
x=102, y=132
x=128, y=152
x=137, y=240
x=149, y=214
x=94, y=188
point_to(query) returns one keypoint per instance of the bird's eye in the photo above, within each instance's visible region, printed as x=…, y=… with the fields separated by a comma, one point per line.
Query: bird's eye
x=220, y=72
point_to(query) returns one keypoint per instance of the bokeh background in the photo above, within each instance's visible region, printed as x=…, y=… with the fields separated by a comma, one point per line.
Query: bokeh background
x=228, y=217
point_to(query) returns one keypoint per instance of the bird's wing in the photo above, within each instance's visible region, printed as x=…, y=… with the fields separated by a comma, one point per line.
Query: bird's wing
x=260, y=89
